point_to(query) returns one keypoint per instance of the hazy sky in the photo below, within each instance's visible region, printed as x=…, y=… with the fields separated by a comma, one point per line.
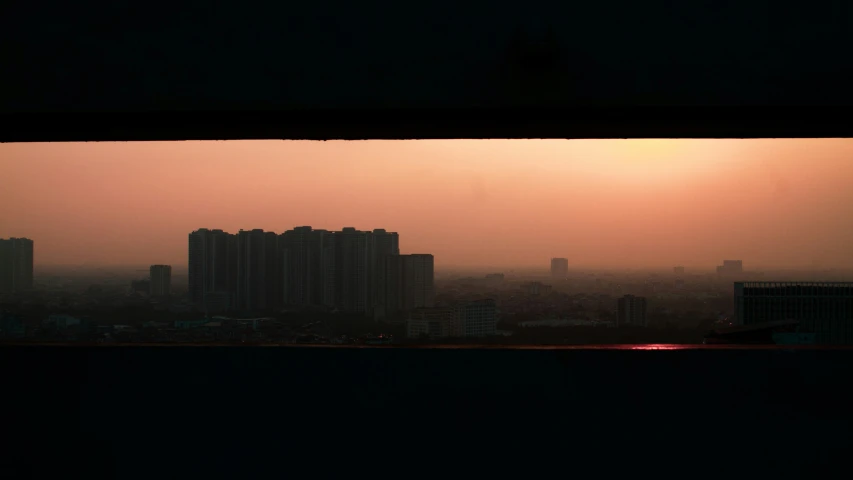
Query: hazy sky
x=608, y=203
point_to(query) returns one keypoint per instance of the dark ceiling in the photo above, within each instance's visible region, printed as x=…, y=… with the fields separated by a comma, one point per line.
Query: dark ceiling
x=99, y=70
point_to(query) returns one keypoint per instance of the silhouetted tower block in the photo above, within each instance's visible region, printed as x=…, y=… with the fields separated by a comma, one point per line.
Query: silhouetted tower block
x=353, y=265
x=160, y=280
x=418, y=281
x=16, y=265
x=631, y=311
x=256, y=282
x=212, y=264
x=301, y=254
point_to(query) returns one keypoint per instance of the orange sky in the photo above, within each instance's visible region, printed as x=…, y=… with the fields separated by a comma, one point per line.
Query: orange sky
x=608, y=203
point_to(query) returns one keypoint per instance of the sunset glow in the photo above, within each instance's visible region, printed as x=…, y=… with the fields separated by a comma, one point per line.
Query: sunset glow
x=600, y=203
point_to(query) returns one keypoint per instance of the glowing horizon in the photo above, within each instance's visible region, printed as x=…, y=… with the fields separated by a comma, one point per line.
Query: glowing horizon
x=600, y=203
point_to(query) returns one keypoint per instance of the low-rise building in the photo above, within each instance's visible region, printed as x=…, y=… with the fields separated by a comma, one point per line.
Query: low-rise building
x=430, y=322
x=476, y=319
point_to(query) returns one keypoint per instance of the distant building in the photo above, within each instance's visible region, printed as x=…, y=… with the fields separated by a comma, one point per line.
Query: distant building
x=730, y=267
x=476, y=319
x=473, y=319
x=678, y=270
x=430, y=322
x=140, y=286
x=213, y=261
x=784, y=332
x=16, y=265
x=418, y=285
x=557, y=322
x=538, y=288
x=631, y=311
x=301, y=256
x=822, y=308
x=405, y=283
x=383, y=245
x=161, y=280
x=257, y=284
x=389, y=293
x=353, y=265
x=560, y=267
x=347, y=270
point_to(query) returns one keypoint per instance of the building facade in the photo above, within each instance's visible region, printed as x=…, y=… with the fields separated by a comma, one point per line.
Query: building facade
x=559, y=267
x=476, y=319
x=160, y=280
x=300, y=257
x=349, y=270
x=418, y=281
x=470, y=320
x=212, y=264
x=822, y=308
x=537, y=289
x=730, y=267
x=631, y=311
x=353, y=269
x=257, y=285
x=389, y=295
x=384, y=244
x=16, y=265
x=431, y=323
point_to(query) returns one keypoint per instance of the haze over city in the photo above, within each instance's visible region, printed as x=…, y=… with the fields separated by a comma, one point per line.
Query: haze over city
x=506, y=203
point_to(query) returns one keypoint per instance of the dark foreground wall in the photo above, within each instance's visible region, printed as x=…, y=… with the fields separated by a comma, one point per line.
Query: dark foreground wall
x=227, y=69
x=210, y=412
x=102, y=56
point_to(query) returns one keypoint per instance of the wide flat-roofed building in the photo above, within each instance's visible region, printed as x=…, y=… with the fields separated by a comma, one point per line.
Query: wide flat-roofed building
x=822, y=308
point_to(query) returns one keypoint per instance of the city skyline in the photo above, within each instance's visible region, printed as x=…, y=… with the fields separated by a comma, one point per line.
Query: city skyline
x=599, y=203
x=348, y=270
x=564, y=266
x=558, y=266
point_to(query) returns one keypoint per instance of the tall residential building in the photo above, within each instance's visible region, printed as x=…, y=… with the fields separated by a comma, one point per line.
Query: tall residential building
x=678, y=270
x=212, y=265
x=631, y=311
x=353, y=268
x=329, y=269
x=383, y=245
x=389, y=295
x=161, y=280
x=822, y=308
x=300, y=257
x=16, y=265
x=232, y=266
x=418, y=281
x=257, y=285
x=559, y=267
